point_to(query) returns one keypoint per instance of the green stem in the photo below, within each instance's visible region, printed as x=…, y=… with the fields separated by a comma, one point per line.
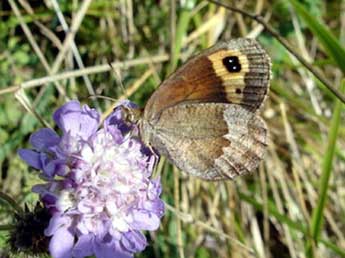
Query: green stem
x=11, y=202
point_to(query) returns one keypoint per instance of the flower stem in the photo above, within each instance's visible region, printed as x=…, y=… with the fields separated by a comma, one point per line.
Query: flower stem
x=6, y=227
x=11, y=202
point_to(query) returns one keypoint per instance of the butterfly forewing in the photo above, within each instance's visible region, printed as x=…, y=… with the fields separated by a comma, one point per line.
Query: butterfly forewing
x=237, y=72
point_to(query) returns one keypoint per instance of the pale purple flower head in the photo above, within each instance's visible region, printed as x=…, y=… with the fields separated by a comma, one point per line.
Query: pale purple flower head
x=98, y=188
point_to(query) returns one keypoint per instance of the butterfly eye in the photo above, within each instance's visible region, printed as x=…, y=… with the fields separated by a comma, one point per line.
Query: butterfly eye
x=232, y=64
x=126, y=114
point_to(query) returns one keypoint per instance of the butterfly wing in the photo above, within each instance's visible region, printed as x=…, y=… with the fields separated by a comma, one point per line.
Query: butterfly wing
x=212, y=141
x=203, y=116
x=236, y=71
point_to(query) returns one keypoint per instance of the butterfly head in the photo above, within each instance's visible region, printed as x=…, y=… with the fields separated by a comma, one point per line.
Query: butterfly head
x=135, y=116
x=130, y=114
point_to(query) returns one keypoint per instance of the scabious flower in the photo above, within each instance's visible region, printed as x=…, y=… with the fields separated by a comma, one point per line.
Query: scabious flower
x=98, y=186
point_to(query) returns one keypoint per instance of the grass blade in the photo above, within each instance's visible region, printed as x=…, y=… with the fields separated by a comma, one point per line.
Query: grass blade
x=325, y=36
x=282, y=218
x=317, y=215
x=181, y=31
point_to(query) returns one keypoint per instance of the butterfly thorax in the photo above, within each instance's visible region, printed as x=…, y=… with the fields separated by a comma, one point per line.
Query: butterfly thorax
x=145, y=130
x=131, y=115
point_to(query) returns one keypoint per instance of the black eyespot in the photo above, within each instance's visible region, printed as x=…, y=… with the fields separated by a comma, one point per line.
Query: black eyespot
x=238, y=91
x=232, y=64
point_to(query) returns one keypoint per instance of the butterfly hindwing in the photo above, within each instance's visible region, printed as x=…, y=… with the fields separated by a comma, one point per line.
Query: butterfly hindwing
x=213, y=141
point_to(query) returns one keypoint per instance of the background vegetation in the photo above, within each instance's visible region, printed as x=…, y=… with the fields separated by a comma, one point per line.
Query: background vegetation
x=293, y=206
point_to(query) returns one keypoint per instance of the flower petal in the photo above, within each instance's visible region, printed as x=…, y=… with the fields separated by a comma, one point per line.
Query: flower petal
x=31, y=157
x=76, y=120
x=134, y=241
x=58, y=116
x=110, y=250
x=54, y=167
x=145, y=220
x=84, y=246
x=56, y=222
x=156, y=206
x=61, y=244
x=155, y=189
x=44, y=138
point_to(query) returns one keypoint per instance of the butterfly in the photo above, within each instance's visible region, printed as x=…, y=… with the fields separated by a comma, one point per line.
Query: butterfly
x=203, y=118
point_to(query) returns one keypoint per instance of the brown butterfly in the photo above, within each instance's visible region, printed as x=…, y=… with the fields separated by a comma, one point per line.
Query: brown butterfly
x=203, y=117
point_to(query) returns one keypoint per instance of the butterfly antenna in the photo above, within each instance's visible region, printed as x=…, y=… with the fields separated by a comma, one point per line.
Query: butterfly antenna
x=100, y=97
x=118, y=78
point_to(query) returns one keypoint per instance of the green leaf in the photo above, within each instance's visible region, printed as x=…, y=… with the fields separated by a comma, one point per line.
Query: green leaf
x=330, y=43
x=202, y=252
